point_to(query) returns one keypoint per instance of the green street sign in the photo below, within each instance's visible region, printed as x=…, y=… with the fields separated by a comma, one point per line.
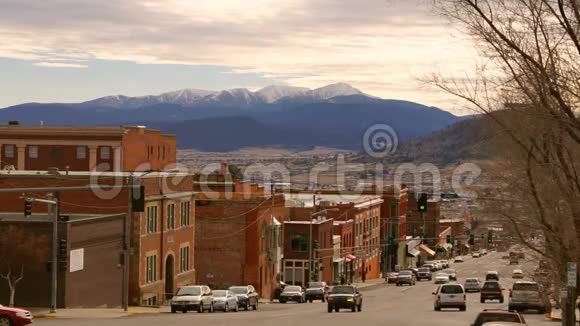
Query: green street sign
x=449, y=196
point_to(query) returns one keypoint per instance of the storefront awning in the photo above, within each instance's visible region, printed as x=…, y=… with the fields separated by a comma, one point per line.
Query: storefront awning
x=413, y=252
x=426, y=250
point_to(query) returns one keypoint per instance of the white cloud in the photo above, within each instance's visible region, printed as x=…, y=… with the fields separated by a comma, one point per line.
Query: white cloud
x=380, y=46
x=59, y=65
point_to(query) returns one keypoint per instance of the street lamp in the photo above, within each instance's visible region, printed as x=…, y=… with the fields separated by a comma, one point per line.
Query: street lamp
x=310, y=238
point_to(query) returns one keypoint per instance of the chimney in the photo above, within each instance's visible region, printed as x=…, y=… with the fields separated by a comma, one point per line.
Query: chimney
x=224, y=168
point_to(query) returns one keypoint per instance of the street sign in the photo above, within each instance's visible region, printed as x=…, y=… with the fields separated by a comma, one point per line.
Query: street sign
x=449, y=196
x=572, y=274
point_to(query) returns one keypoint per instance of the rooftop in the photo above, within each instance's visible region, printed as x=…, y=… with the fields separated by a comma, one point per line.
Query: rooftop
x=314, y=221
x=306, y=199
x=56, y=129
x=91, y=174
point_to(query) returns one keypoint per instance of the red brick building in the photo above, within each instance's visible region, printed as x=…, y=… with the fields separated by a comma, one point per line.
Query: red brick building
x=345, y=264
x=125, y=148
x=296, y=254
x=162, y=237
x=238, y=235
x=364, y=210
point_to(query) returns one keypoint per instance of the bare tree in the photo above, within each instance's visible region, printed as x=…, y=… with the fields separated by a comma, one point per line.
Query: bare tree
x=528, y=88
x=19, y=252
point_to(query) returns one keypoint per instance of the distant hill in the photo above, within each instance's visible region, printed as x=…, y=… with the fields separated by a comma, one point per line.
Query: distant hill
x=334, y=116
x=468, y=139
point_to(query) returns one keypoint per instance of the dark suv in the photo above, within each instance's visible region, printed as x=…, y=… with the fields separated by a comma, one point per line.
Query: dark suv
x=316, y=291
x=247, y=296
x=491, y=290
x=500, y=316
x=344, y=297
x=424, y=274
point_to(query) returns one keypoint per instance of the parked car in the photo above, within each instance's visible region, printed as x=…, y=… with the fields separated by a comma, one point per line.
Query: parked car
x=483, y=252
x=444, y=263
x=472, y=284
x=424, y=274
x=192, y=298
x=406, y=277
x=392, y=277
x=414, y=270
x=458, y=259
x=438, y=266
x=247, y=296
x=345, y=297
x=491, y=290
x=225, y=300
x=475, y=255
x=492, y=276
x=317, y=291
x=450, y=296
x=441, y=278
x=518, y=273
x=527, y=295
x=14, y=316
x=452, y=273
x=500, y=316
x=293, y=293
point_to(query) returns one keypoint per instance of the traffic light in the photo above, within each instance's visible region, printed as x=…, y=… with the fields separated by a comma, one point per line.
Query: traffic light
x=422, y=203
x=138, y=199
x=62, y=249
x=27, y=207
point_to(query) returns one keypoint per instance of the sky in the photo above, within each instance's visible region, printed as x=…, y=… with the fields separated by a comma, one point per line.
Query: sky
x=77, y=50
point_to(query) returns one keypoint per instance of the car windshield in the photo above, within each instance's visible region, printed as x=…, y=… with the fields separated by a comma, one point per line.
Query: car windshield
x=239, y=290
x=487, y=318
x=315, y=285
x=220, y=293
x=424, y=269
x=406, y=273
x=343, y=290
x=491, y=285
x=526, y=287
x=449, y=271
x=292, y=289
x=452, y=289
x=471, y=280
x=188, y=291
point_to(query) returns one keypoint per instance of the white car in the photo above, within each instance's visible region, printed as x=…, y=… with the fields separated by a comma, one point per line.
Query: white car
x=450, y=296
x=458, y=259
x=441, y=278
x=518, y=273
x=438, y=266
x=476, y=255
x=225, y=300
x=192, y=298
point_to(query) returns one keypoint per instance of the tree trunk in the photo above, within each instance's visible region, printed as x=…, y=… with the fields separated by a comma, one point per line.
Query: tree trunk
x=12, y=294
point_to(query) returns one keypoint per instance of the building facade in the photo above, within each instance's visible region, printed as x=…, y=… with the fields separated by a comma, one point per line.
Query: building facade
x=162, y=237
x=125, y=148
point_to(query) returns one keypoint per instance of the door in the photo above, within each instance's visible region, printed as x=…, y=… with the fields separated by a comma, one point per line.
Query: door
x=169, y=276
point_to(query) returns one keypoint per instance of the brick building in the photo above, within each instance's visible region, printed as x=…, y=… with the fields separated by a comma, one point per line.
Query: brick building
x=296, y=254
x=364, y=210
x=125, y=148
x=238, y=235
x=345, y=265
x=162, y=237
x=92, y=275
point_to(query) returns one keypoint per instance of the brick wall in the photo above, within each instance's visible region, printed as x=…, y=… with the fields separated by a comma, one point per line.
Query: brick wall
x=145, y=149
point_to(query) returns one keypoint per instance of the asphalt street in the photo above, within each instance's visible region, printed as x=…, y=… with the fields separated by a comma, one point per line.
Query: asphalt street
x=385, y=305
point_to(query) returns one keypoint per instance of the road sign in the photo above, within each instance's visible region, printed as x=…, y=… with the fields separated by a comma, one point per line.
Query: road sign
x=449, y=196
x=572, y=274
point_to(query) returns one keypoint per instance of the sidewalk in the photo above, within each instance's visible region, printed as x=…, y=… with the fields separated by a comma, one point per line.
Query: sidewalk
x=95, y=313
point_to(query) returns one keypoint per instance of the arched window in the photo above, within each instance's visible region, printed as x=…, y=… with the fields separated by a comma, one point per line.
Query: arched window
x=299, y=243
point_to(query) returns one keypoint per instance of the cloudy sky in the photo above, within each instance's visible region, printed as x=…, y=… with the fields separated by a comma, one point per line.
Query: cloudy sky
x=75, y=50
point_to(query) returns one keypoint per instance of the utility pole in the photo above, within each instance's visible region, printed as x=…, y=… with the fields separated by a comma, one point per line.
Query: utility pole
x=127, y=244
x=310, y=239
x=569, y=302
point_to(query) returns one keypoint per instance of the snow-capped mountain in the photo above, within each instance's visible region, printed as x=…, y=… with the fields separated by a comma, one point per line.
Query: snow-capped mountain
x=231, y=97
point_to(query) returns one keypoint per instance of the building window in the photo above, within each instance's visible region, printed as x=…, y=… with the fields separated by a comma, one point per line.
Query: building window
x=394, y=210
x=183, y=259
x=164, y=151
x=81, y=152
x=158, y=152
x=32, y=151
x=9, y=151
x=295, y=272
x=170, y=216
x=151, y=269
x=151, y=219
x=299, y=243
x=151, y=301
x=105, y=152
x=56, y=153
x=185, y=213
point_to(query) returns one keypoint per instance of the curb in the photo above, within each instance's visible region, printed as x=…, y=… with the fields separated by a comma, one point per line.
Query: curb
x=39, y=316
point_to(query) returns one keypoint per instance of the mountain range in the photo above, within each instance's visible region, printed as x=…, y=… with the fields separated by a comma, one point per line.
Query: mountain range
x=335, y=115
